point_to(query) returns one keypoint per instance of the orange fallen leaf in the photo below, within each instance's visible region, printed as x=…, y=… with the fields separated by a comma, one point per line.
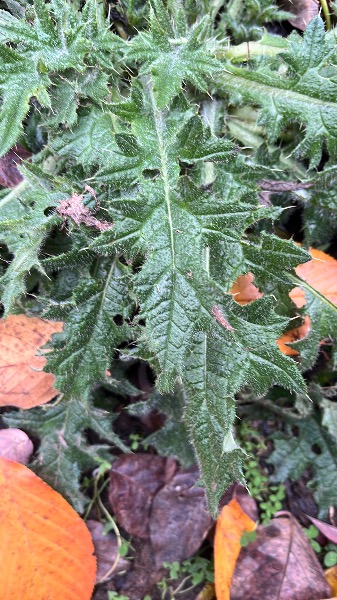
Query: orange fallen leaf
x=22, y=381
x=293, y=335
x=243, y=289
x=231, y=524
x=331, y=577
x=320, y=273
x=46, y=549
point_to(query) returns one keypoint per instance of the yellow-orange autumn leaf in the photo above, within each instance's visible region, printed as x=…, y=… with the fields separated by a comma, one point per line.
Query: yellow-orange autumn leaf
x=331, y=577
x=22, y=381
x=231, y=524
x=321, y=274
x=46, y=551
x=243, y=289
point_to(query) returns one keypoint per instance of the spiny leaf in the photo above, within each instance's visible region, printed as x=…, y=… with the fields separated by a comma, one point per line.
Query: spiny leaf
x=182, y=288
x=23, y=228
x=19, y=81
x=56, y=38
x=91, y=335
x=294, y=453
x=63, y=452
x=215, y=372
x=305, y=95
x=172, y=439
x=173, y=56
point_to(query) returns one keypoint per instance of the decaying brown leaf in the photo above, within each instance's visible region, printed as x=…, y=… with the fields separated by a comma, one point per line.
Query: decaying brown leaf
x=22, y=381
x=303, y=11
x=329, y=531
x=134, y=481
x=15, y=445
x=279, y=564
x=143, y=576
x=9, y=172
x=179, y=518
x=106, y=552
x=152, y=497
x=74, y=208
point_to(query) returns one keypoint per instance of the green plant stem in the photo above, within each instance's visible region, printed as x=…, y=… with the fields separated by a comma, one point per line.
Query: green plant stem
x=118, y=537
x=96, y=493
x=16, y=191
x=326, y=13
x=247, y=50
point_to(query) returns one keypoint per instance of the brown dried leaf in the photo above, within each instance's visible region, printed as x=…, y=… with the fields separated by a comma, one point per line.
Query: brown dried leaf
x=9, y=173
x=22, y=381
x=143, y=576
x=329, y=531
x=279, y=565
x=179, y=519
x=134, y=480
x=106, y=551
x=303, y=11
x=16, y=445
x=74, y=208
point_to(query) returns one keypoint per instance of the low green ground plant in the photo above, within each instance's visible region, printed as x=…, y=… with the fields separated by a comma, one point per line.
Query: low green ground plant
x=153, y=136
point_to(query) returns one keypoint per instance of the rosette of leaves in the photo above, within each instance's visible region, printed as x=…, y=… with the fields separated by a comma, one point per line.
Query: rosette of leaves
x=181, y=204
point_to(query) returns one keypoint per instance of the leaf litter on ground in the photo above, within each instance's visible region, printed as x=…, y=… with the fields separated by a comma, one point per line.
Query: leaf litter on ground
x=23, y=383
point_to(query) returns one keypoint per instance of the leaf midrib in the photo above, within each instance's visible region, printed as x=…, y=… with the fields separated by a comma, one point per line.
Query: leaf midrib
x=158, y=122
x=239, y=79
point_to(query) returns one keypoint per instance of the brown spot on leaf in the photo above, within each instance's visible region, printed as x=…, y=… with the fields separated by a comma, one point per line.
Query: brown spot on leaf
x=218, y=316
x=74, y=209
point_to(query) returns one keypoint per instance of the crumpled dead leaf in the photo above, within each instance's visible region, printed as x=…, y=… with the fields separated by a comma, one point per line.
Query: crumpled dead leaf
x=152, y=497
x=22, y=382
x=280, y=563
x=106, y=552
x=303, y=11
x=134, y=481
x=179, y=519
x=329, y=531
x=74, y=208
x=9, y=172
x=15, y=445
